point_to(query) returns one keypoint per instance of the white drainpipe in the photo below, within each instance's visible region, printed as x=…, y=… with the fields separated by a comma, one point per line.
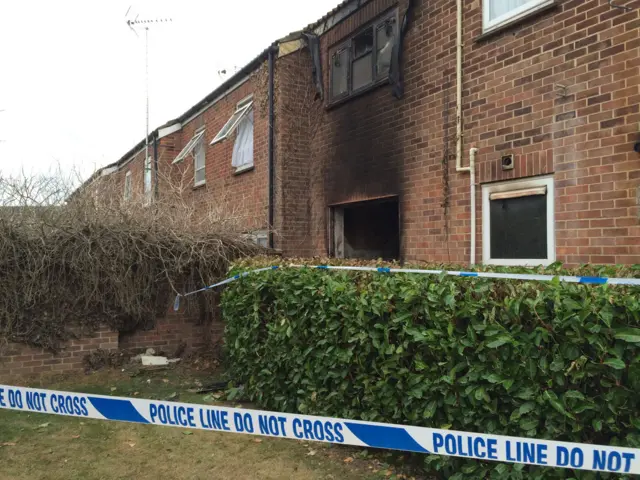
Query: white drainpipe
x=472, y=171
x=459, y=135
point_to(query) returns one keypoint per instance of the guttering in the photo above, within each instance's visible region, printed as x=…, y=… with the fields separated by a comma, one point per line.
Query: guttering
x=270, y=145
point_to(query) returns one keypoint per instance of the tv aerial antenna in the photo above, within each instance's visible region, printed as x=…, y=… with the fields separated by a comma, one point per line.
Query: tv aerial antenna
x=133, y=24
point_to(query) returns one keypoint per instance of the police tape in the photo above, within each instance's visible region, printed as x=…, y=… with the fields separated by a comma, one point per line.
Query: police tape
x=493, y=275
x=478, y=446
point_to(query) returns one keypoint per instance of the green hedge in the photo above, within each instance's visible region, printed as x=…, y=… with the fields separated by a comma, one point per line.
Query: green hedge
x=545, y=360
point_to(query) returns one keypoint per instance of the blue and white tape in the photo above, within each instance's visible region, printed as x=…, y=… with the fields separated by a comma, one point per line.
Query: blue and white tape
x=323, y=429
x=502, y=276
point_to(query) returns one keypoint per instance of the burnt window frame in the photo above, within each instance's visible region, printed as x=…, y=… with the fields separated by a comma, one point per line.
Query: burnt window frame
x=516, y=186
x=348, y=45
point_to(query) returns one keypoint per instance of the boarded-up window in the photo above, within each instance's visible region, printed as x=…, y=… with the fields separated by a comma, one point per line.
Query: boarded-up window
x=518, y=222
x=519, y=227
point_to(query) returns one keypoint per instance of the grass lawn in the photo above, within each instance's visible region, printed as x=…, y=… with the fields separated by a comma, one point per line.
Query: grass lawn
x=39, y=446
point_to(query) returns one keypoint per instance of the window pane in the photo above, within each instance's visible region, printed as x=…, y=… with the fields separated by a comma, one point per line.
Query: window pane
x=147, y=175
x=199, y=176
x=189, y=147
x=127, y=187
x=498, y=8
x=243, y=146
x=363, y=43
x=362, y=71
x=385, y=38
x=232, y=123
x=199, y=157
x=339, y=68
x=519, y=228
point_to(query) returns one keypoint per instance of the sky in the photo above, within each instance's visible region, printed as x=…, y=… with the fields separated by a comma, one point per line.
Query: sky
x=72, y=73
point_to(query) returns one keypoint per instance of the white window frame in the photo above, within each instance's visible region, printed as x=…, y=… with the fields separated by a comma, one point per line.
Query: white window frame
x=128, y=186
x=189, y=147
x=242, y=110
x=200, y=145
x=147, y=177
x=258, y=236
x=531, y=6
x=531, y=184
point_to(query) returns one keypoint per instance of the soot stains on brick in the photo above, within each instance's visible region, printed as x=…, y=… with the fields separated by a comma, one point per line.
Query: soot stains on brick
x=363, y=158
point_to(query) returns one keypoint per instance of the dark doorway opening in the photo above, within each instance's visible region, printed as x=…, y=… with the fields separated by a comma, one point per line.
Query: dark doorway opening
x=367, y=230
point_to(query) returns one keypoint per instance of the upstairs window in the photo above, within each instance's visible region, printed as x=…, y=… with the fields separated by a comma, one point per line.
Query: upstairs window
x=243, y=109
x=199, y=165
x=501, y=12
x=364, y=59
x=127, y=186
x=196, y=148
x=518, y=222
x=147, y=176
x=243, y=147
x=362, y=64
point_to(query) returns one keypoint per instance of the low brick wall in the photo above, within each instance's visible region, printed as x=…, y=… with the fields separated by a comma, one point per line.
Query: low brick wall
x=21, y=359
x=171, y=331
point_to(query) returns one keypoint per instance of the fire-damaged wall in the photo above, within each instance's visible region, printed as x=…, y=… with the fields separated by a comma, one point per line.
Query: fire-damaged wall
x=557, y=91
x=366, y=148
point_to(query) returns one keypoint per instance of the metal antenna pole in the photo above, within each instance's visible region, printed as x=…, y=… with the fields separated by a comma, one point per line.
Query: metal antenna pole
x=131, y=24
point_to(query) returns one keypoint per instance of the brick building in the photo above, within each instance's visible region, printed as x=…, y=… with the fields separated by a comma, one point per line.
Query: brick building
x=549, y=97
x=379, y=108
x=215, y=154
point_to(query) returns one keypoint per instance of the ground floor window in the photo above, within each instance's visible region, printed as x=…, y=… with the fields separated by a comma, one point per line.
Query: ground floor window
x=366, y=230
x=518, y=222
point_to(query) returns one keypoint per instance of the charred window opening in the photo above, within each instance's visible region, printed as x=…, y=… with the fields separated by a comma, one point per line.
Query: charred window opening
x=364, y=60
x=367, y=230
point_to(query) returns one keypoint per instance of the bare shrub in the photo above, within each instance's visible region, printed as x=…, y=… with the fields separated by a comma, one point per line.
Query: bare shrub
x=76, y=259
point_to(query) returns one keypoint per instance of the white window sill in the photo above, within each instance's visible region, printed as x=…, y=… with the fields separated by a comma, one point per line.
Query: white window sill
x=246, y=168
x=199, y=185
x=490, y=29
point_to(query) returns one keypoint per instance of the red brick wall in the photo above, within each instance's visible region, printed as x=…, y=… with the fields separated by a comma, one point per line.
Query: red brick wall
x=375, y=145
x=169, y=332
x=296, y=121
x=243, y=197
x=585, y=137
x=20, y=359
